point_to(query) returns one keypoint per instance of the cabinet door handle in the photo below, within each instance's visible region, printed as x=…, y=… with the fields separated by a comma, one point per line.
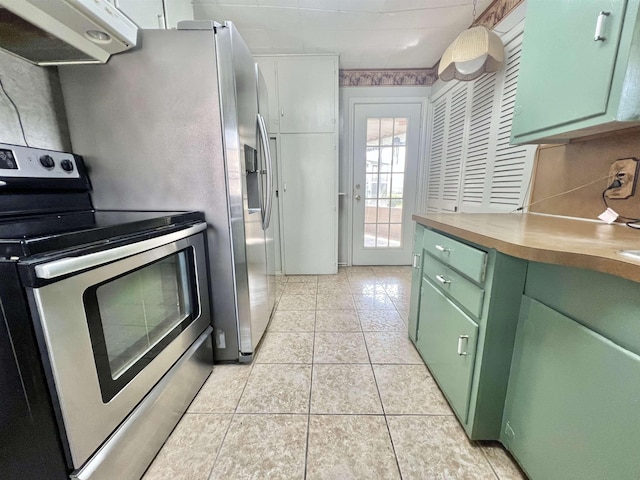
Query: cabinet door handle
x=461, y=340
x=598, y=36
x=282, y=112
x=161, y=23
x=416, y=260
x=443, y=280
x=443, y=249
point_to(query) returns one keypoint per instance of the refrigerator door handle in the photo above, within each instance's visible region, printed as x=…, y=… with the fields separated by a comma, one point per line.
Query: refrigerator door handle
x=264, y=137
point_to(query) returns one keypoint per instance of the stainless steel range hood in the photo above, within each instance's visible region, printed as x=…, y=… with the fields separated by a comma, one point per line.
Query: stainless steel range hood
x=59, y=32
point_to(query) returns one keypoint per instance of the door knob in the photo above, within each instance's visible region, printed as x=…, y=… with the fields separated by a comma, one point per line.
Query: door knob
x=357, y=197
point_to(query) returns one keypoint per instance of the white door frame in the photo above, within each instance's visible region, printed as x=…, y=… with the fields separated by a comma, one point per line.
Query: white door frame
x=422, y=167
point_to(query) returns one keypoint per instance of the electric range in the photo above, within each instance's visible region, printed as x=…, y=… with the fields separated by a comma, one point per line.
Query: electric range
x=105, y=332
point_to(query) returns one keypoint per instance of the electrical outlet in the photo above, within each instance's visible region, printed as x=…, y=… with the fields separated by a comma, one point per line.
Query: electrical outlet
x=626, y=172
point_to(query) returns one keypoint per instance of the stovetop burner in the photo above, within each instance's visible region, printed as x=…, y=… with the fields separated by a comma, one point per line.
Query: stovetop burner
x=34, y=234
x=45, y=206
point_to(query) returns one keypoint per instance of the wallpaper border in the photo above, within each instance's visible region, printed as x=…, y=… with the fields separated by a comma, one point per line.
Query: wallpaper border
x=385, y=78
x=423, y=77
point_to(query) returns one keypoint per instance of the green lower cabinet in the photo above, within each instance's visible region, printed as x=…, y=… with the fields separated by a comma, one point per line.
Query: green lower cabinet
x=465, y=301
x=573, y=401
x=449, y=348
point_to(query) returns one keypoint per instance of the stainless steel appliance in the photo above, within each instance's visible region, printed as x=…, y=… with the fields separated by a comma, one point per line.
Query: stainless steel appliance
x=174, y=124
x=104, y=323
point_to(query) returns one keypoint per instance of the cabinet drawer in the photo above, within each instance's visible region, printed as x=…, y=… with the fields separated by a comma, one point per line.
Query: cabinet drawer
x=463, y=291
x=467, y=260
x=447, y=342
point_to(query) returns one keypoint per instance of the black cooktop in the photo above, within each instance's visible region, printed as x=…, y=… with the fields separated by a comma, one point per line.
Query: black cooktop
x=34, y=234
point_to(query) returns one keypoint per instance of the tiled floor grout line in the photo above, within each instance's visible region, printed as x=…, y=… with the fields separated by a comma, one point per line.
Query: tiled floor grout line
x=313, y=350
x=235, y=409
x=224, y=437
x=299, y=414
x=484, y=454
x=357, y=288
x=233, y=415
x=386, y=422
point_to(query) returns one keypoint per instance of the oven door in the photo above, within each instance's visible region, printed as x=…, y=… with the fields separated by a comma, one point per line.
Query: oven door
x=114, y=323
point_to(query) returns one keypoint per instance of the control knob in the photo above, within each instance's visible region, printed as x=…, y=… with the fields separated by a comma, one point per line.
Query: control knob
x=47, y=161
x=67, y=165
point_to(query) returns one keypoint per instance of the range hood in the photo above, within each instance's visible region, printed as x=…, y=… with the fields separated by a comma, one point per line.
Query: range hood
x=61, y=32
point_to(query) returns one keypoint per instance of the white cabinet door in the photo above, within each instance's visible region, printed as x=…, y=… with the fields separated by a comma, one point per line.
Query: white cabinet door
x=268, y=68
x=309, y=203
x=307, y=89
x=144, y=13
x=512, y=164
x=472, y=167
x=176, y=11
x=436, y=155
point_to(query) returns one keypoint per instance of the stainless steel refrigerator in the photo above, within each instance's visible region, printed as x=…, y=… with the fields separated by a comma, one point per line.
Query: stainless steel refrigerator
x=174, y=125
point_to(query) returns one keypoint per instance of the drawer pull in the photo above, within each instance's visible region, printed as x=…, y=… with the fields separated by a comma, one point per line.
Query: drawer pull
x=461, y=339
x=443, y=249
x=598, y=36
x=443, y=280
x=416, y=260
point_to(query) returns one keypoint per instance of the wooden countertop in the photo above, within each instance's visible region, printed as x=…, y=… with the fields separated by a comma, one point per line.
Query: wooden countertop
x=546, y=239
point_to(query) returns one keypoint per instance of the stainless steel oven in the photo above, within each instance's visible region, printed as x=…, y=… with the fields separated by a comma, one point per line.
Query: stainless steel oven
x=105, y=324
x=113, y=324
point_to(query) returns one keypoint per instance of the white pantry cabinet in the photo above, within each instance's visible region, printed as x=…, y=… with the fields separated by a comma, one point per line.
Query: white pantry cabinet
x=309, y=203
x=268, y=67
x=307, y=89
x=303, y=109
x=154, y=14
x=303, y=92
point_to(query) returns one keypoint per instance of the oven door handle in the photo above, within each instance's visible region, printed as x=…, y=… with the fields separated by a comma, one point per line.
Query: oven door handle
x=69, y=265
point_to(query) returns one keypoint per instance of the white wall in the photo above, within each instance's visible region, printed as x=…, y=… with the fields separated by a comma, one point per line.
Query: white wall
x=37, y=94
x=345, y=173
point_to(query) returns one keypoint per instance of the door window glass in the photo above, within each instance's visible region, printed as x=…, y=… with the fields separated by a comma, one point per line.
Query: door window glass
x=384, y=189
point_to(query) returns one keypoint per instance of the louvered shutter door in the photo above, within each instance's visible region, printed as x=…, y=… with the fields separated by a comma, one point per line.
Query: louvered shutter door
x=455, y=142
x=512, y=164
x=481, y=131
x=471, y=163
x=436, y=156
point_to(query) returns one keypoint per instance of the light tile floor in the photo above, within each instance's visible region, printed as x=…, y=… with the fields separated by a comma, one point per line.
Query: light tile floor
x=336, y=391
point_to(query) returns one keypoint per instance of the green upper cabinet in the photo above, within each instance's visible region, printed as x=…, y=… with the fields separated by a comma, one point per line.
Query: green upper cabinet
x=580, y=70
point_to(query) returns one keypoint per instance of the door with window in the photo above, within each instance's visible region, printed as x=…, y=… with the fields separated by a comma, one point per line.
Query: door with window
x=385, y=153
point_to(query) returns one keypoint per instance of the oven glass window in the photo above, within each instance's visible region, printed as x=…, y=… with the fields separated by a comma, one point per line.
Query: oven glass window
x=133, y=317
x=141, y=308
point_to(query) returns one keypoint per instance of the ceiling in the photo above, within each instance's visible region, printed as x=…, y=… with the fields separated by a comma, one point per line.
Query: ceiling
x=373, y=34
